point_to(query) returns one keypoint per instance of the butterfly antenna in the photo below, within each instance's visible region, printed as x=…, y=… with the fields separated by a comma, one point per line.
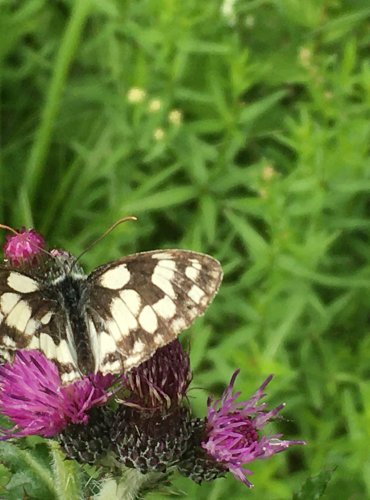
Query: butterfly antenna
x=8, y=228
x=109, y=230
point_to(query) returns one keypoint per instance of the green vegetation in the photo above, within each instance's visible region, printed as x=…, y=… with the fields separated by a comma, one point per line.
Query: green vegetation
x=244, y=135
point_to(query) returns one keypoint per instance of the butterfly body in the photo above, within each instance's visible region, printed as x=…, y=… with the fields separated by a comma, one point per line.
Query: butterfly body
x=70, y=290
x=110, y=320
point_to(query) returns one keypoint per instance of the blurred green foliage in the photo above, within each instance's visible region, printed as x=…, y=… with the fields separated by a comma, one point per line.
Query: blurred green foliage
x=240, y=129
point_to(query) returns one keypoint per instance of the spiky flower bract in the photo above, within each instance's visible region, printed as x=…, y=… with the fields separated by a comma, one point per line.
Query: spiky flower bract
x=161, y=381
x=153, y=427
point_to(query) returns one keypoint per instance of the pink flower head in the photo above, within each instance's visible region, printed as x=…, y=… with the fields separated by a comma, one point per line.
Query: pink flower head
x=23, y=247
x=233, y=431
x=33, y=398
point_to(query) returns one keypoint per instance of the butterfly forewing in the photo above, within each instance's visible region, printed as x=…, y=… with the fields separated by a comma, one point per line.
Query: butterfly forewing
x=109, y=321
x=32, y=319
x=19, y=311
x=142, y=302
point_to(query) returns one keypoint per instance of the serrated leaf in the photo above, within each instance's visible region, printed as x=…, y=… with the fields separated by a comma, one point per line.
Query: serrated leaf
x=18, y=459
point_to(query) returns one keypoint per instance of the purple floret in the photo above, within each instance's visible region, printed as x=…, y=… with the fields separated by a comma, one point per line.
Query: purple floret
x=34, y=399
x=233, y=431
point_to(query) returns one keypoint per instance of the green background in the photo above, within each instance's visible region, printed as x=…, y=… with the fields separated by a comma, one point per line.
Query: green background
x=265, y=166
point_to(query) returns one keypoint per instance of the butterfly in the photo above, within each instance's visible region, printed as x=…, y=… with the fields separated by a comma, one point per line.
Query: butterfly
x=109, y=321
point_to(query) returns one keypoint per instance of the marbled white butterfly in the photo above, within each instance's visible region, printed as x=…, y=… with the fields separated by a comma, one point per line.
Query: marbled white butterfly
x=110, y=320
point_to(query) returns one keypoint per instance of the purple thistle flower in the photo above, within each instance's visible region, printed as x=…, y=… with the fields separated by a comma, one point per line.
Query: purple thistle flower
x=232, y=431
x=33, y=397
x=161, y=381
x=23, y=247
x=153, y=429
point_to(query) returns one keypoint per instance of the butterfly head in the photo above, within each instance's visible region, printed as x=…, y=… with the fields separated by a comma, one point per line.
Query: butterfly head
x=65, y=262
x=25, y=249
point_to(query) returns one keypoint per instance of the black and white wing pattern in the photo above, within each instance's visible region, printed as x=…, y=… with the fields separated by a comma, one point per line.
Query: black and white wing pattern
x=142, y=302
x=110, y=321
x=32, y=317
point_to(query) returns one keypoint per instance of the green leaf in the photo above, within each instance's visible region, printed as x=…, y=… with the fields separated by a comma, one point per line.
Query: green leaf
x=159, y=201
x=340, y=26
x=67, y=475
x=253, y=241
x=5, y=475
x=253, y=111
x=314, y=487
x=37, y=475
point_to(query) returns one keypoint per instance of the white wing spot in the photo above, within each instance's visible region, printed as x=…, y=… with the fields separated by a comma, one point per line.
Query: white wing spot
x=117, y=332
x=111, y=367
x=72, y=346
x=7, y=341
x=19, y=316
x=178, y=324
x=68, y=377
x=34, y=344
x=8, y=301
x=158, y=340
x=196, y=294
x=162, y=277
x=47, y=345
x=94, y=343
x=133, y=361
x=139, y=346
x=162, y=255
x=192, y=273
x=196, y=264
x=1, y=317
x=123, y=316
x=164, y=285
x=132, y=300
x=46, y=318
x=31, y=327
x=21, y=283
x=64, y=354
x=107, y=345
x=115, y=278
x=167, y=265
x=148, y=319
x=165, y=308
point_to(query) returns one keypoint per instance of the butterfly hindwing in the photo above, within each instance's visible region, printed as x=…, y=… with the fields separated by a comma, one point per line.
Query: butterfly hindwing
x=142, y=302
